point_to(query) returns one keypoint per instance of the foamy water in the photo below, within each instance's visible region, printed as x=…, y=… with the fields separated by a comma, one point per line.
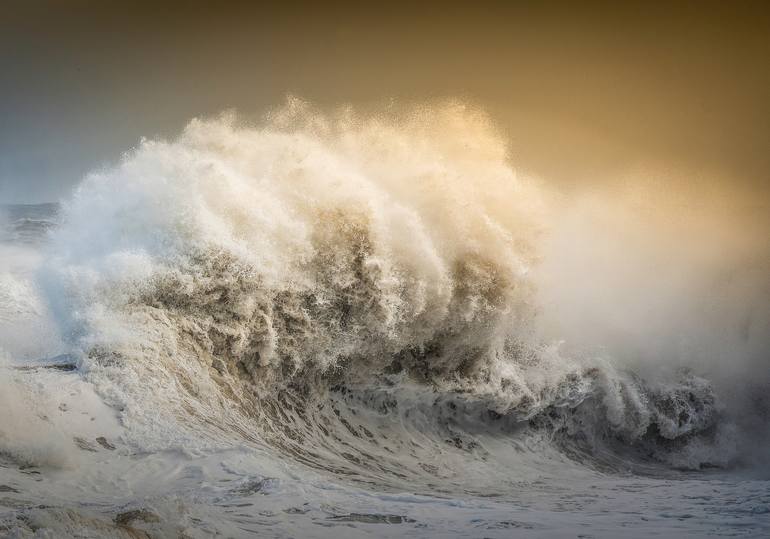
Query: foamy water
x=331, y=325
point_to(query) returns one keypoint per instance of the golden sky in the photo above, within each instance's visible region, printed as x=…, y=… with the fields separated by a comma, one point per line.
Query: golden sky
x=585, y=92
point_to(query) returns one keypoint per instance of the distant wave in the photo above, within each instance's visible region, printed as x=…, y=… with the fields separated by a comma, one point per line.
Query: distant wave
x=27, y=223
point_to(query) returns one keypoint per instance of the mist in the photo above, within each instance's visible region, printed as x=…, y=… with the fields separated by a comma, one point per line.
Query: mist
x=663, y=279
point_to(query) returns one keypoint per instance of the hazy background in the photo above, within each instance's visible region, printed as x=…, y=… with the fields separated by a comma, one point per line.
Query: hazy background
x=585, y=92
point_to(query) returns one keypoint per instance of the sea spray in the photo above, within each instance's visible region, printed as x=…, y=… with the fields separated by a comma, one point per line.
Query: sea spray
x=219, y=283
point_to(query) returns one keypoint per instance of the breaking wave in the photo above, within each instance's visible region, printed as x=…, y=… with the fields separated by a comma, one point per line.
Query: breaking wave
x=352, y=292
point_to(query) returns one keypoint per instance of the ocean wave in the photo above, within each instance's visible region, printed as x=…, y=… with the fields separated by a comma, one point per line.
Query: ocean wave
x=266, y=284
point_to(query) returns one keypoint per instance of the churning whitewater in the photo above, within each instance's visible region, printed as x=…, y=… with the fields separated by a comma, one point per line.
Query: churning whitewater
x=324, y=325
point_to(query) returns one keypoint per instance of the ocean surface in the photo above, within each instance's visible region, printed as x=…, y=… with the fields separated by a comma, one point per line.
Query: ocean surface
x=305, y=330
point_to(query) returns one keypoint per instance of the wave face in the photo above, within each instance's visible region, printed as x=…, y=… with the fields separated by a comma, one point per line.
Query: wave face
x=352, y=293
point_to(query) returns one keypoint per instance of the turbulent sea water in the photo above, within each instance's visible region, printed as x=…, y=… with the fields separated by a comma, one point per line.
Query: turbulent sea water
x=325, y=327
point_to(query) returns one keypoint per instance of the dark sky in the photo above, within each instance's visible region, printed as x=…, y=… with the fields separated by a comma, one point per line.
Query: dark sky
x=583, y=91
